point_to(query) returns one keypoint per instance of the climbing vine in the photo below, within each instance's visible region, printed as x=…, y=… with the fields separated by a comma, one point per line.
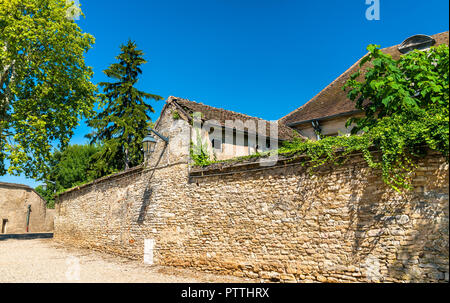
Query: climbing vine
x=176, y=115
x=199, y=152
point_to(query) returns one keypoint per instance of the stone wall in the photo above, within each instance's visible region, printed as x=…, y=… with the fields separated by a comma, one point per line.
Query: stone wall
x=340, y=224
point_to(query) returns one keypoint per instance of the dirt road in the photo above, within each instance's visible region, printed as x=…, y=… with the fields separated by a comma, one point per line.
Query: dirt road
x=36, y=261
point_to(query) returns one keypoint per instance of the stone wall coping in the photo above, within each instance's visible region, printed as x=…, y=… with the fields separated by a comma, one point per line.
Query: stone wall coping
x=221, y=168
x=237, y=166
x=100, y=180
x=139, y=168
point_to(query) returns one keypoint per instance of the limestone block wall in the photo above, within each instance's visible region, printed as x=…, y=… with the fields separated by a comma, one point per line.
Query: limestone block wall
x=340, y=224
x=116, y=214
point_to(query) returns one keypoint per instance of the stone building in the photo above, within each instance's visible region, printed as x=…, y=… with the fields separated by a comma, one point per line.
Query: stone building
x=227, y=134
x=329, y=110
x=23, y=210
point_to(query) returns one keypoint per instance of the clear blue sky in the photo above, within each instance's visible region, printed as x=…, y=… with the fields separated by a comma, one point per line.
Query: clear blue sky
x=264, y=58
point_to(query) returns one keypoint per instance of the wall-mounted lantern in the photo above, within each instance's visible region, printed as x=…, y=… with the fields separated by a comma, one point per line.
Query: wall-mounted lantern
x=45, y=185
x=149, y=142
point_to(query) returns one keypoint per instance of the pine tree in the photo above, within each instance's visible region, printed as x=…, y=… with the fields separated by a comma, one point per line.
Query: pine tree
x=122, y=122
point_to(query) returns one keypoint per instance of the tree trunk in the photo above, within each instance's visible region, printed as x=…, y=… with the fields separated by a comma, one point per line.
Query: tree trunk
x=9, y=71
x=127, y=160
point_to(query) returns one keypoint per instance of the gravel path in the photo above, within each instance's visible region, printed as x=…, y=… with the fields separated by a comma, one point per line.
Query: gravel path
x=37, y=261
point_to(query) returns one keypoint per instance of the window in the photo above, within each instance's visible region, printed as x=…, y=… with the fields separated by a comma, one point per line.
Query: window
x=216, y=144
x=420, y=42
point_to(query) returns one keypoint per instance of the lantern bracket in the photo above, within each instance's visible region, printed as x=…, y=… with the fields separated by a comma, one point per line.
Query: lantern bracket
x=159, y=135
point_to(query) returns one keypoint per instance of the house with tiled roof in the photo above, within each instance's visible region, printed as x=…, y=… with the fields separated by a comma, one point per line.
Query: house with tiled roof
x=227, y=134
x=326, y=114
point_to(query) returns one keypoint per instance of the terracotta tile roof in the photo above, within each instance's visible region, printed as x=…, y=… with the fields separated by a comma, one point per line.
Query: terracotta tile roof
x=333, y=101
x=222, y=115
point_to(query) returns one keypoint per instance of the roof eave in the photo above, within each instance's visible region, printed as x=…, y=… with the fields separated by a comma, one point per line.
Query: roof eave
x=325, y=118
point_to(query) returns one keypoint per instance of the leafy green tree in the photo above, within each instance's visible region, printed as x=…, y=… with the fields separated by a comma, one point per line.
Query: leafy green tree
x=72, y=167
x=45, y=86
x=48, y=195
x=406, y=105
x=412, y=86
x=122, y=122
x=406, y=102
